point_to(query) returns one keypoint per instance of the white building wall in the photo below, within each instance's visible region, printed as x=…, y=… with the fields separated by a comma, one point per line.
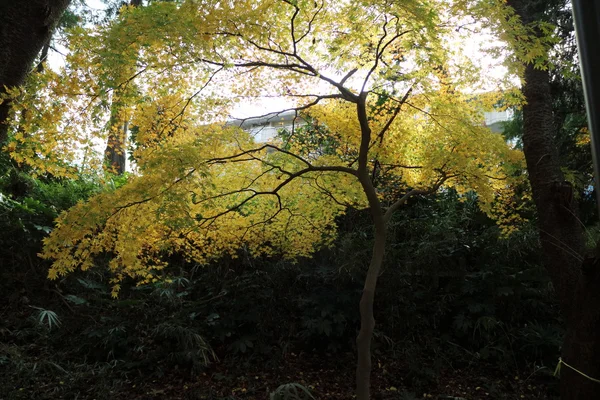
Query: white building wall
x=264, y=129
x=494, y=119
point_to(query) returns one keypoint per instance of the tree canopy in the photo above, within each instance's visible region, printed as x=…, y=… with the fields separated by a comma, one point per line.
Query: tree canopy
x=388, y=101
x=203, y=189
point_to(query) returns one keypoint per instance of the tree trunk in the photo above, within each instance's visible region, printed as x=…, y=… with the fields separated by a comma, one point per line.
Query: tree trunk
x=367, y=320
x=561, y=233
x=562, y=243
x=25, y=26
x=560, y=229
x=115, y=154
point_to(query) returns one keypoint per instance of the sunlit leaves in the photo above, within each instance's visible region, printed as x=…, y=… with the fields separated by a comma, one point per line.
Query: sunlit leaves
x=203, y=191
x=190, y=202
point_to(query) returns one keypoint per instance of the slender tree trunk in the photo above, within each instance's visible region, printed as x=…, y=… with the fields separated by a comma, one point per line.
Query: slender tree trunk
x=367, y=320
x=25, y=26
x=115, y=153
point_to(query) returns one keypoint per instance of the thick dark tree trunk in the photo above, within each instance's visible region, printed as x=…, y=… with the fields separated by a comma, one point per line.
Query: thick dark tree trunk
x=560, y=230
x=25, y=26
x=562, y=243
x=576, y=282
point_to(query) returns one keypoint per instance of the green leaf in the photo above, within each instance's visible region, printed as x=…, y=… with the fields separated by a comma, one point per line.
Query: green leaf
x=75, y=299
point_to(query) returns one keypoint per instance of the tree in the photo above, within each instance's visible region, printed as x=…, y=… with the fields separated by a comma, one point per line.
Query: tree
x=26, y=27
x=382, y=78
x=576, y=285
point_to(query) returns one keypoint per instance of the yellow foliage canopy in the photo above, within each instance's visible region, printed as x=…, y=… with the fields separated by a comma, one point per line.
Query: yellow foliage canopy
x=193, y=202
x=383, y=77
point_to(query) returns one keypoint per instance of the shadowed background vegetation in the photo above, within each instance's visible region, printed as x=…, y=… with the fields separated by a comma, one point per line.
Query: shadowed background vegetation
x=454, y=296
x=462, y=311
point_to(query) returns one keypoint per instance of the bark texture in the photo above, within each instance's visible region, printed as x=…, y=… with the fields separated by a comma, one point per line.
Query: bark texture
x=576, y=280
x=560, y=230
x=25, y=26
x=561, y=234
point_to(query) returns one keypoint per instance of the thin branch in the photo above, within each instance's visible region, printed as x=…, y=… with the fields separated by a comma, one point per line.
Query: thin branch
x=381, y=50
x=189, y=100
x=274, y=191
x=222, y=160
x=303, y=67
x=433, y=117
x=263, y=222
x=376, y=63
x=292, y=24
x=415, y=192
x=329, y=193
x=147, y=199
x=311, y=21
x=348, y=75
x=394, y=115
x=306, y=106
x=309, y=166
x=299, y=68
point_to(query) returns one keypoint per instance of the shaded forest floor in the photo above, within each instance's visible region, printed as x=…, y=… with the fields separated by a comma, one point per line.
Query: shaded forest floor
x=479, y=334
x=332, y=378
x=328, y=376
x=112, y=350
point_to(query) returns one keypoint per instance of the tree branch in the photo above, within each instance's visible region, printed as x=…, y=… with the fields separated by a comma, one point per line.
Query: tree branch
x=274, y=192
x=381, y=49
x=306, y=106
x=394, y=115
x=415, y=192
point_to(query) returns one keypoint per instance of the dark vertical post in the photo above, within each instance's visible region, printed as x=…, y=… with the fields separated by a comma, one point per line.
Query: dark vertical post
x=586, y=14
